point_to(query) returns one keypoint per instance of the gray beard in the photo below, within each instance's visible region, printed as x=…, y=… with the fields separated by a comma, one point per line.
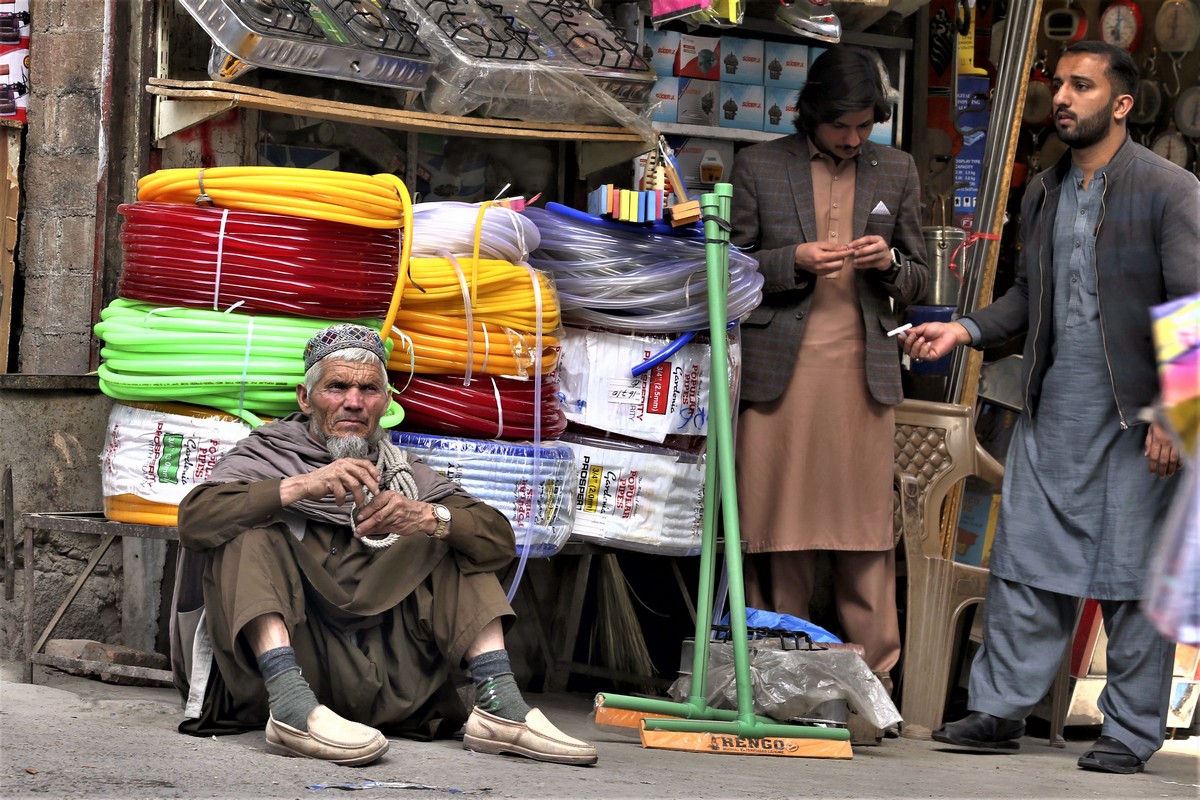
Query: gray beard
x=351, y=446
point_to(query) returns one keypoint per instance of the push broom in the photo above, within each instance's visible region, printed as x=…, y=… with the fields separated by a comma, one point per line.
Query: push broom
x=694, y=725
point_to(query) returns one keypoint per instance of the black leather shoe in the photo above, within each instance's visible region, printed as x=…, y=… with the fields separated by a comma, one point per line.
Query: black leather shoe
x=1110, y=755
x=980, y=731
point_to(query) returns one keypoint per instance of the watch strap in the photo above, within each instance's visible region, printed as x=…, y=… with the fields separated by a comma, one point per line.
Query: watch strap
x=442, y=514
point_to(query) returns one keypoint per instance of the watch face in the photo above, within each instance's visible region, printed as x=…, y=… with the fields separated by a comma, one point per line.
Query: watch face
x=1187, y=112
x=1121, y=25
x=1177, y=26
x=441, y=512
x=1173, y=147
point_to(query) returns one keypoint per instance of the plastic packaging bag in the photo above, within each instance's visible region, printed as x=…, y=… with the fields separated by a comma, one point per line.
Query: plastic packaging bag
x=1172, y=599
x=792, y=683
x=757, y=618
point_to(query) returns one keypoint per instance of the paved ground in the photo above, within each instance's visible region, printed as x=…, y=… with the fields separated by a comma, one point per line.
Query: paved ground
x=68, y=737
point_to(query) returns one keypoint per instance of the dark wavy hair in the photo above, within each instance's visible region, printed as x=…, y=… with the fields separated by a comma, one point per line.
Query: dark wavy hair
x=842, y=80
x=1122, y=71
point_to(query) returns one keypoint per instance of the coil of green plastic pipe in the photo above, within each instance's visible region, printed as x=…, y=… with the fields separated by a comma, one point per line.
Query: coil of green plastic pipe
x=242, y=364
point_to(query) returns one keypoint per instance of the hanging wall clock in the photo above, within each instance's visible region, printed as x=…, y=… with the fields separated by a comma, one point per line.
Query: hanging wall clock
x=1121, y=25
x=1064, y=25
x=1177, y=29
x=1177, y=26
x=1187, y=112
x=1149, y=102
x=1173, y=146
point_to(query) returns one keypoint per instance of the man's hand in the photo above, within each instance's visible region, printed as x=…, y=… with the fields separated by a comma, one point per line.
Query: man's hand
x=392, y=512
x=933, y=340
x=344, y=478
x=1161, y=452
x=821, y=258
x=871, y=252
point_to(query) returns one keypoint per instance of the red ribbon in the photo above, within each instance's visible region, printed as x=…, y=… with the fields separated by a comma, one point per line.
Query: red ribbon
x=971, y=239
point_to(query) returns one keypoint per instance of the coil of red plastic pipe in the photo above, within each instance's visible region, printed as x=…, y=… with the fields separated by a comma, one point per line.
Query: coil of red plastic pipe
x=490, y=407
x=201, y=257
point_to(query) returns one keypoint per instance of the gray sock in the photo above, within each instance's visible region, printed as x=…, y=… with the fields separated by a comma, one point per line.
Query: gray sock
x=289, y=696
x=495, y=687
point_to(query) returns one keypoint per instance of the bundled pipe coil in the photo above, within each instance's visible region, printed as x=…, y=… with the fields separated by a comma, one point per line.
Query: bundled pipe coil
x=245, y=365
x=487, y=407
x=155, y=453
x=529, y=484
x=214, y=258
x=625, y=278
x=636, y=496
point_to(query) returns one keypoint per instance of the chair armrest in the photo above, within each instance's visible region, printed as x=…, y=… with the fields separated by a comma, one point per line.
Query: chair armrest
x=987, y=467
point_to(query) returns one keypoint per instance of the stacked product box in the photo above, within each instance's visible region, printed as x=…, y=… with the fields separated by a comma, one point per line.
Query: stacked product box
x=726, y=81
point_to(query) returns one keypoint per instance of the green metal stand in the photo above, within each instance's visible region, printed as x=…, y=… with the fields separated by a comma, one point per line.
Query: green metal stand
x=694, y=715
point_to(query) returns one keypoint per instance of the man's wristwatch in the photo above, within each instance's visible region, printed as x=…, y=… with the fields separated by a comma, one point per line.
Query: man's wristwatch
x=442, y=514
x=897, y=263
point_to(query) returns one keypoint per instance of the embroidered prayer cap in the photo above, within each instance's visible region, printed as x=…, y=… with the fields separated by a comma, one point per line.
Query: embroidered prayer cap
x=339, y=337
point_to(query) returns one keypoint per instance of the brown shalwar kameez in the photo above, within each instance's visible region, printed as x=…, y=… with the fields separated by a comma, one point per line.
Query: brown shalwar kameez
x=376, y=632
x=815, y=466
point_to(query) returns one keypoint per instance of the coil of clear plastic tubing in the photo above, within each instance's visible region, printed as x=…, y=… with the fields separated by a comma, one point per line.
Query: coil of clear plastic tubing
x=628, y=279
x=504, y=475
x=489, y=407
x=204, y=257
x=245, y=365
x=462, y=229
x=155, y=453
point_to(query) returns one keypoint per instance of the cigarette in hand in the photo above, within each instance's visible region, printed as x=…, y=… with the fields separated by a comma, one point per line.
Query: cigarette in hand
x=901, y=329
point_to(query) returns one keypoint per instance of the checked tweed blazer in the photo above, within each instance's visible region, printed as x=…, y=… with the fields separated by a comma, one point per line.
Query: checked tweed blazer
x=773, y=212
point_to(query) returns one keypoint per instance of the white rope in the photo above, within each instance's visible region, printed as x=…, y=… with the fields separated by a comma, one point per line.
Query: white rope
x=396, y=474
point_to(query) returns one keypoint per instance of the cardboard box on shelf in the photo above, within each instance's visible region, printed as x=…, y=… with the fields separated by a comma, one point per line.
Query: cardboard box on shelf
x=742, y=60
x=699, y=57
x=785, y=64
x=741, y=106
x=661, y=48
x=779, y=109
x=698, y=103
x=666, y=97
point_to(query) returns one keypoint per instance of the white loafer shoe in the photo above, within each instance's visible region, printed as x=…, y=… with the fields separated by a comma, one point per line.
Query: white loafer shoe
x=534, y=738
x=329, y=737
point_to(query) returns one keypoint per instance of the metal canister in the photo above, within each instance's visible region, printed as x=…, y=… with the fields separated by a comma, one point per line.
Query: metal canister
x=941, y=241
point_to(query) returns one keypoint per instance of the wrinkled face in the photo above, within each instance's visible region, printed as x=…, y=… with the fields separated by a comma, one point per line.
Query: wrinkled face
x=844, y=137
x=348, y=400
x=1085, y=104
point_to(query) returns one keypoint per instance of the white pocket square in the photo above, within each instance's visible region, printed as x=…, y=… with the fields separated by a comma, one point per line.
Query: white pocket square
x=880, y=208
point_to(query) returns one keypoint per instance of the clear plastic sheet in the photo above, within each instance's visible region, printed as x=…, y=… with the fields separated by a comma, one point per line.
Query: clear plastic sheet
x=538, y=60
x=791, y=684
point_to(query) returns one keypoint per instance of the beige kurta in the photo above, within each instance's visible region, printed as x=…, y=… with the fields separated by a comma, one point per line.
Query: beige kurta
x=815, y=466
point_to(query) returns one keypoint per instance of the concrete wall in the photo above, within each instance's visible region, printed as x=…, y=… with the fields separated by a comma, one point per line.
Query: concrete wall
x=51, y=436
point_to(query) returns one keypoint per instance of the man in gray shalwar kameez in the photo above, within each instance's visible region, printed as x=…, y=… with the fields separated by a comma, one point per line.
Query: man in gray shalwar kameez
x=1108, y=232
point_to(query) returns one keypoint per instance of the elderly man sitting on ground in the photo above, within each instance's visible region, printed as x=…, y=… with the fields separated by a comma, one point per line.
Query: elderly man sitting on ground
x=343, y=583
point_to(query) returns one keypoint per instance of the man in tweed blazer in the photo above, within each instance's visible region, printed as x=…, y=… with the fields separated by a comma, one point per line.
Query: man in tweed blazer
x=833, y=220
